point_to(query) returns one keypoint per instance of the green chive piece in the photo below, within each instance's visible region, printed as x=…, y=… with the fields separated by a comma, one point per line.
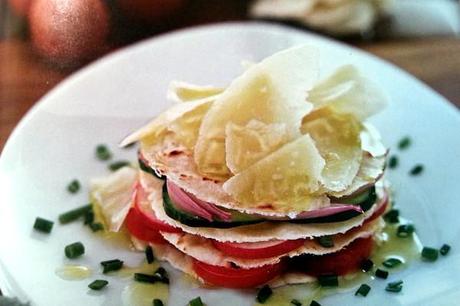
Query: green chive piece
x=429, y=254
x=363, y=290
x=314, y=303
x=366, y=265
x=392, y=262
x=111, y=265
x=74, y=214
x=43, y=225
x=264, y=294
x=394, y=286
x=393, y=162
x=103, y=153
x=98, y=284
x=296, y=302
x=381, y=273
x=328, y=280
x=392, y=216
x=196, y=302
x=95, y=227
x=145, y=278
x=74, y=250
x=416, y=170
x=405, y=230
x=157, y=302
x=74, y=186
x=161, y=275
x=325, y=241
x=149, y=254
x=89, y=217
x=118, y=164
x=444, y=249
x=404, y=143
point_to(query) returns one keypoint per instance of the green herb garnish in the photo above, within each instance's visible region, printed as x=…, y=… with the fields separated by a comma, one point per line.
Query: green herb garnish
x=89, y=217
x=196, y=302
x=444, y=249
x=405, y=230
x=264, y=293
x=381, y=273
x=363, y=290
x=74, y=250
x=157, y=302
x=404, y=143
x=416, y=170
x=429, y=254
x=98, y=284
x=111, y=265
x=145, y=278
x=95, y=227
x=118, y=164
x=392, y=262
x=328, y=280
x=74, y=186
x=392, y=216
x=366, y=265
x=74, y=214
x=325, y=241
x=103, y=153
x=43, y=225
x=296, y=302
x=393, y=162
x=149, y=254
x=161, y=275
x=394, y=286
x=314, y=303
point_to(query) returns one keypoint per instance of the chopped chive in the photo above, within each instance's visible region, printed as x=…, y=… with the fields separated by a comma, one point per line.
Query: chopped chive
x=405, y=230
x=363, y=290
x=196, y=302
x=98, y=284
x=89, y=217
x=393, y=162
x=103, y=153
x=366, y=265
x=392, y=216
x=392, y=262
x=74, y=214
x=149, y=254
x=416, y=170
x=43, y=225
x=111, y=265
x=264, y=294
x=429, y=254
x=328, y=280
x=444, y=249
x=314, y=303
x=394, y=286
x=404, y=143
x=296, y=302
x=74, y=250
x=325, y=241
x=381, y=273
x=161, y=275
x=98, y=226
x=118, y=164
x=145, y=278
x=74, y=186
x=157, y=302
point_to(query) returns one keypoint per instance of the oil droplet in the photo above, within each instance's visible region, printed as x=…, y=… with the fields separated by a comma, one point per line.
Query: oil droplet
x=142, y=294
x=73, y=272
x=144, y=268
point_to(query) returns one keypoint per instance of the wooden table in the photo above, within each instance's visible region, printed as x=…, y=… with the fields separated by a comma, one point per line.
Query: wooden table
x=24, y=79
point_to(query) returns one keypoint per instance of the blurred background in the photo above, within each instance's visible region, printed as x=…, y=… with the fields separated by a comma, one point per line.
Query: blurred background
x=44, y=41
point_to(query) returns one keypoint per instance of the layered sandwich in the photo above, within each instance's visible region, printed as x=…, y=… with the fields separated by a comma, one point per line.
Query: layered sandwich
x=276, y=178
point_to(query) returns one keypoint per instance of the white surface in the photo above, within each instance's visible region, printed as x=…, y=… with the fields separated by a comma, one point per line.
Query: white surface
x=55, y=142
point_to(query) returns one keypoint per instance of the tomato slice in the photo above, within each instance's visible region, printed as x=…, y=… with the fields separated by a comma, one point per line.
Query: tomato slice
x=138, y=228
x=342, y=262
x=256, y=250
x=237, y=277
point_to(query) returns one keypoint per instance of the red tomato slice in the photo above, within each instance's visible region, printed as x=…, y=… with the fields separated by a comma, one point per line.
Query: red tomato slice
x=255, y=250
x=342, y=262
x=138, y=228
x=237, y=277
x=145, y=213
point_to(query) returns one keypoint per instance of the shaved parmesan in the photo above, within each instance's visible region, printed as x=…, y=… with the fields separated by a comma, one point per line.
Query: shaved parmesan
x=185, y=92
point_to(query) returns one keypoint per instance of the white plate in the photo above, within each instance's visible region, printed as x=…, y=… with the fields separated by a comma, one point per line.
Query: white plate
x=55, y=143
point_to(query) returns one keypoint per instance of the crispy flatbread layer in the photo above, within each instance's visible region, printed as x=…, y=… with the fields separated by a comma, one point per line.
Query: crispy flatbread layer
x=264, y=231
x=203, y=249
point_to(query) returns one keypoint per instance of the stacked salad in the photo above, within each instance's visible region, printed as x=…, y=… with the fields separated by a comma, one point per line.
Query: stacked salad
x=275, y=179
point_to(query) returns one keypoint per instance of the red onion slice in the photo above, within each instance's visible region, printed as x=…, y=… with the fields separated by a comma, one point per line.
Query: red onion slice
x=335, y=208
